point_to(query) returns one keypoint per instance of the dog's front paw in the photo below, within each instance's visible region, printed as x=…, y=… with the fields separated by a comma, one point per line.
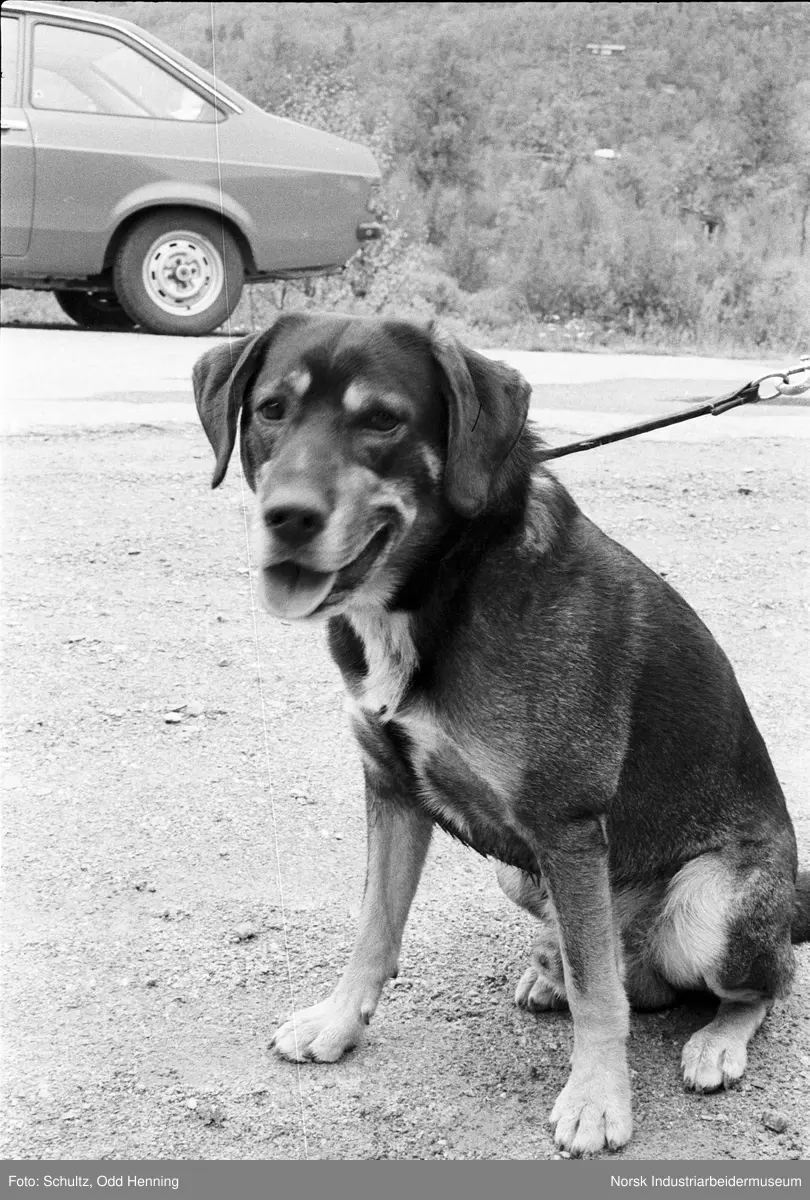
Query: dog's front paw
x=710, y=1062
x=593, y=1111
x=323, y=1033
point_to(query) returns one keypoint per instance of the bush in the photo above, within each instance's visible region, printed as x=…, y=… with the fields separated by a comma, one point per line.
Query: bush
x=593, y=254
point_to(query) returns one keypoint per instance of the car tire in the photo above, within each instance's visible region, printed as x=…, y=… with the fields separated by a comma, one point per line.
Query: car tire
x=94, y=310
x=179, y=272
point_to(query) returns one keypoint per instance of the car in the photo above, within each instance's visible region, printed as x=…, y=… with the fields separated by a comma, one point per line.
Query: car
x=144, y=192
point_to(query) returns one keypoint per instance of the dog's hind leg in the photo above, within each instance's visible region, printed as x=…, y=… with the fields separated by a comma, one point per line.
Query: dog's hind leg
x=717, y=1055
x=542, y=985
x=398, y=840
x=725, y=926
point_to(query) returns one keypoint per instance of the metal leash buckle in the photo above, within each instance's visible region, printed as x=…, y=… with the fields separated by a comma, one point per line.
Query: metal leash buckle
x=784, y=388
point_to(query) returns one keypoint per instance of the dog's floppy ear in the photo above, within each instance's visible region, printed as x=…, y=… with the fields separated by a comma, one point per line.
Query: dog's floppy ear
x=220, y=379
x=487, y=407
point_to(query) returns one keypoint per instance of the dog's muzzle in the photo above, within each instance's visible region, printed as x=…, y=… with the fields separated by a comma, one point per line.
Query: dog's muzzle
x=293, y=590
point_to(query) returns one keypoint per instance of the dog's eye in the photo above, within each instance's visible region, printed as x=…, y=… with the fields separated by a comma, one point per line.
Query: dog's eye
x=272, y=409
x=381, y=420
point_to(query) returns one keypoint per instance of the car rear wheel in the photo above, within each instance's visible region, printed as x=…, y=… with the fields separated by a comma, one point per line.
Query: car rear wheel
x=94, y=310
x=179, y=272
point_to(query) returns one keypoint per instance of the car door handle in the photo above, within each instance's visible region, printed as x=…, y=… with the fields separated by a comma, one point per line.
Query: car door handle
x=7, y=123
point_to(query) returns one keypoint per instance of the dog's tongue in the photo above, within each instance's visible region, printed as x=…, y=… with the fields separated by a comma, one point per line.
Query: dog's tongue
x=291, y=591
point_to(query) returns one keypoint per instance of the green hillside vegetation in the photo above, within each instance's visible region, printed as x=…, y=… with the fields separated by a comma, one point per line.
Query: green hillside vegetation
x=485, y=119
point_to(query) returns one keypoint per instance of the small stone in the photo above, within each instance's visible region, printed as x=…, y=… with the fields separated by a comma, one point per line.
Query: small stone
x=211, y=1114
x=223, y=662
x=173, y=718
x=113, y=712
x=132, y=550
x=191, y=1102
x=777, y=1122
x=195, y=709
x=245, y=932
x=151, y=982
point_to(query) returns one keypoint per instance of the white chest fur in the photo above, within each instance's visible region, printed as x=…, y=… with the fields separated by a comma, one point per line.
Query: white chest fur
x=390, y=658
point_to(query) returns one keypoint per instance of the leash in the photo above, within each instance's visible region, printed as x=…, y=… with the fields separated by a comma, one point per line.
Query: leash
x=749, y=393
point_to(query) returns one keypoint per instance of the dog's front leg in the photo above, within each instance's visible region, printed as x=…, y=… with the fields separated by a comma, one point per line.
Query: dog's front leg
x=398, y=840
x=594, y=1108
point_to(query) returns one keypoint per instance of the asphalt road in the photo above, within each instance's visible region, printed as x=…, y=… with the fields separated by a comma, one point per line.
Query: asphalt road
x=53, y=378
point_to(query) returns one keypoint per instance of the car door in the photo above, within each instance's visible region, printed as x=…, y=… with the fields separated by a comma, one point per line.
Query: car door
x=16, y=146
x=109, y=123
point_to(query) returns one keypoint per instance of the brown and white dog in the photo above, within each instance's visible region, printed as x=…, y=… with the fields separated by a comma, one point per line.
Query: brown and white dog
x=520, y=680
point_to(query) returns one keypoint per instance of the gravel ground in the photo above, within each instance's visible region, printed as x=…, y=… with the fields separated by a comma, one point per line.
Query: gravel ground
x=174, y=887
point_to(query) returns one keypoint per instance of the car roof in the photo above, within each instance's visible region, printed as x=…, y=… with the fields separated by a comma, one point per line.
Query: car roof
x=232, y=98
x=64, y=10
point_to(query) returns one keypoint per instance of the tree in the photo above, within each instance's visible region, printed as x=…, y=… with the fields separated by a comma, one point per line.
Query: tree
x=764, y=121
x=440, y=129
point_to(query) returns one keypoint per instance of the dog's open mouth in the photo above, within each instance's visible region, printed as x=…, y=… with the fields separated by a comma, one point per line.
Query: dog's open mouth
x=293, y=591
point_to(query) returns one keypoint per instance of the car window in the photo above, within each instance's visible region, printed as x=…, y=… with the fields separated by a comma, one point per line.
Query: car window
x=53, y=90
x=11, y=42
x=78, y=71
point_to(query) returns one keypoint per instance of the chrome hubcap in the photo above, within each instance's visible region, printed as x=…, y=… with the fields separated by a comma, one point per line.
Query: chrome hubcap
x=183, y=273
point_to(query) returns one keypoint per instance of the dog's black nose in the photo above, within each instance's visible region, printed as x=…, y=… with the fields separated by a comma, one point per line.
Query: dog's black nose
x=295, y=520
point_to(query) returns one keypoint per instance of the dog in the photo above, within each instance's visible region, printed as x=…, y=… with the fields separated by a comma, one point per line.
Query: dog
x=519, y=679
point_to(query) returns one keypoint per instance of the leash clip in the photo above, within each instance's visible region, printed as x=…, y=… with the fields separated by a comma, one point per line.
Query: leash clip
x=784, y=387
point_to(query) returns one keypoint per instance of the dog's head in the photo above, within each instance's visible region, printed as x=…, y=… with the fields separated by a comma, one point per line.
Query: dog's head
x=360, y=438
